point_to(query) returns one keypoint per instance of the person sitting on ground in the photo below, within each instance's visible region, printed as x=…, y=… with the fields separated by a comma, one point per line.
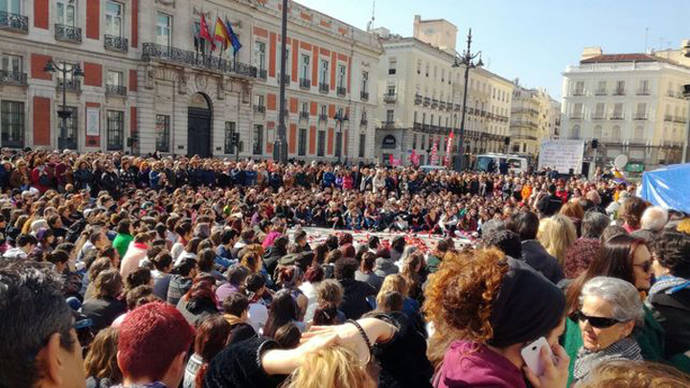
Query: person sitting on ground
x=181, y=280
x=100, y=363
x=105, y=304
x=329, y=295
x=355, y=292
x=235, y=312
x=366, y=274
x=135, y=254
x=199, y=302
x=211, y=337
x=146, y=352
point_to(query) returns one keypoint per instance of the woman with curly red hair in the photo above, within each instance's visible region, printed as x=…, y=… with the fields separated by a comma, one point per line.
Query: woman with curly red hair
x=486, y=307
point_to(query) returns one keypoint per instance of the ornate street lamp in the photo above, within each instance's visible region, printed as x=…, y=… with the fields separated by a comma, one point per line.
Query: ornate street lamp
x=340, y=117
x=64, y=68
x=467, y=60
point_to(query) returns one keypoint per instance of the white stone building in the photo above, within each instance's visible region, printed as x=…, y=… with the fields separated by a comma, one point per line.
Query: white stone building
x=148, y=86
x=631, y=103
x=420, y=99
x=533, y=118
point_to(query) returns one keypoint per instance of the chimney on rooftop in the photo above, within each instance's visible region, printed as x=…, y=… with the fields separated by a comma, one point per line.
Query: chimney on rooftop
x=590, y=52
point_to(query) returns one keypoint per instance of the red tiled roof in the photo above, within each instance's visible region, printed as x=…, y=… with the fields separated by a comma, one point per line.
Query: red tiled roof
x=609, y=58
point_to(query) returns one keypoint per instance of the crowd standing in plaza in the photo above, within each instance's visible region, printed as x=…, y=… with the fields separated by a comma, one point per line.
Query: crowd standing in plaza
x=164, y=272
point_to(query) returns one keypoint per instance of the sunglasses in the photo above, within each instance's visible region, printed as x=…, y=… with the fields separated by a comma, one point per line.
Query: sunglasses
x=646, y=266
x=598, y=322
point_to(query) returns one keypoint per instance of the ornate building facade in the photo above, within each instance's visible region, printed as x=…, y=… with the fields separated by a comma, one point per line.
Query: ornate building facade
x=150, y=84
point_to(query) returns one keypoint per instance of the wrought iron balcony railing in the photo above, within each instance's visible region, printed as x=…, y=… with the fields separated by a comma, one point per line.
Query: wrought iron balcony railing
x=260, y=108
x=66, y=33
x=12, y=78
x=323, y=87
x=341, y=91
x=364, y=96
x=115, y=90
x=14, y=22
x=390, y=98
x=304, y=83
x=115, y=43
x=154, y=51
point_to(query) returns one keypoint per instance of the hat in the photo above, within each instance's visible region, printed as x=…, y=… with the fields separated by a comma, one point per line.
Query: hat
x=527, y=306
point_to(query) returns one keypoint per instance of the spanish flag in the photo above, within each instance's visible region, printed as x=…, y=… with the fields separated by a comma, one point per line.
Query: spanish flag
x=221, y=34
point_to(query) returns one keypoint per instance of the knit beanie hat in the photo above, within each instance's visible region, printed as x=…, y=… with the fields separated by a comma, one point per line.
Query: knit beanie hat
x=527, y=307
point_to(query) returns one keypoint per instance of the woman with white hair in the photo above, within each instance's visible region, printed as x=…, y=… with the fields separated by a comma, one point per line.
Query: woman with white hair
x=652, y=222
x=610, y=309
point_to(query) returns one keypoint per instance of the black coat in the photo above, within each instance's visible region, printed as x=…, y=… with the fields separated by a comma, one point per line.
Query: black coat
x=672, y=311
x=538, y=258
x=355, y=295
x=103, y=311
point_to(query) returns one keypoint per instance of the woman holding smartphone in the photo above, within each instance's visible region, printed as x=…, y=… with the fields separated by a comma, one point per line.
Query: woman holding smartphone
x=486, y=308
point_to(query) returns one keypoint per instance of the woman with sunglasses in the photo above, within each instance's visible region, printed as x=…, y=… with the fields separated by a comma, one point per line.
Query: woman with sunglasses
x=627, y=258
x=609, y=310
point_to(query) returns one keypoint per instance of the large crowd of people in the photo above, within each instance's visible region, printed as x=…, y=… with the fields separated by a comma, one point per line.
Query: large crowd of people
x=122, y=271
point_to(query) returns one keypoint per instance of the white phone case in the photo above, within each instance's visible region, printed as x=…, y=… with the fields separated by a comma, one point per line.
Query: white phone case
x=530, y=354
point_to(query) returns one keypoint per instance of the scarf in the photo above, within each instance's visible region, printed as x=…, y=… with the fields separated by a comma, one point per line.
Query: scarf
x=669, y=284
x=625, y=349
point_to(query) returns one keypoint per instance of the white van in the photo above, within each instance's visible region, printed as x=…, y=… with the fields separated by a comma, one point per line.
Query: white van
x=516, y=163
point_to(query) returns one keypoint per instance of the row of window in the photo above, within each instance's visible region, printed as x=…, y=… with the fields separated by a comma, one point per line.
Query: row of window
x=618, y=109
x=577, y=88
x=13, y=128
x=639, y=134
x=14, y=64
x=323, y=108
x=305, y=66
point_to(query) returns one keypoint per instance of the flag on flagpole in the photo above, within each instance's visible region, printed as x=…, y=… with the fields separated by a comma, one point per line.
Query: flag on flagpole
x=234, y=40
x=205, y=34
x=221, y=34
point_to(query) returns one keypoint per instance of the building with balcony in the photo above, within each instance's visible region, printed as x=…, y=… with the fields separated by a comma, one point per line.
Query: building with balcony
x=420, y=99
x=532, y=119
x=149, y=85
x=631, y=103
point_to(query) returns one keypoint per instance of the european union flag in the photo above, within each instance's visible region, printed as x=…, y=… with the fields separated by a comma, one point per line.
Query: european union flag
x=236, y=45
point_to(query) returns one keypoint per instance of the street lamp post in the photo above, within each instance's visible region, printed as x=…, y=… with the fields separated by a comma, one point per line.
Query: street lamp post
x=64, y=68
x=280, y=146
x=340, y=117
x=467, y=60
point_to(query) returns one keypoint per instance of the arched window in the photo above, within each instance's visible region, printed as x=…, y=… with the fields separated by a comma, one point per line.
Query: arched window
x=575, y=132
x=616, y=133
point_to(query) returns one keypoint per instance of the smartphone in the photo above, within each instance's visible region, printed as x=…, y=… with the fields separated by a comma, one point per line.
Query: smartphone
x=530, y=354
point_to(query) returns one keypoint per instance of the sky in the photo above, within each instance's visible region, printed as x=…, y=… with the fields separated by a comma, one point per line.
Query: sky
x=533, y=40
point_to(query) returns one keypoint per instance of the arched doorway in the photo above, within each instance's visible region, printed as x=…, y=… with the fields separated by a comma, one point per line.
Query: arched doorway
x=199, y=117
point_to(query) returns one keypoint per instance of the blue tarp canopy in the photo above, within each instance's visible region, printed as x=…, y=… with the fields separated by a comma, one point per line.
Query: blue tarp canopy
x=668, y=187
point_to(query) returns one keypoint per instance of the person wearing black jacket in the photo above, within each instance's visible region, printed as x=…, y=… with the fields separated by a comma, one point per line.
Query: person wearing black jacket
x=526, y=225
x=355, y=293
x=550, y=204
x=110, y=181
